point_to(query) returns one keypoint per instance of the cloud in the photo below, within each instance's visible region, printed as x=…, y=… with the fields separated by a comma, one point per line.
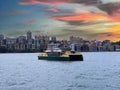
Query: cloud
x=110, y=8
x=82, y=18
x=74, y=32
x=88, y=2
x=15, y=12
x=86, y=34
x=88, y=14
x=85, y=17
x=59, y=2
x=52, y=9
x=107, y=36
x=115, y=29
x=31, y=21
x=53, y=2
x=78, y=23
x=110, y=1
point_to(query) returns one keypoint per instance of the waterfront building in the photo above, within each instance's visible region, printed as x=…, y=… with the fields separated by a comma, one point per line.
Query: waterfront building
x=1, y=40
x=10, y=42
x=75, y=47
x=85, y=48
x=106, y=45
x=53, y=39
x=37, y=42
x=33, y=47
x=77, y=40
x=22, y=39
x=93, y=46
x=117, y=47
x=19, y=47
x=1, y=37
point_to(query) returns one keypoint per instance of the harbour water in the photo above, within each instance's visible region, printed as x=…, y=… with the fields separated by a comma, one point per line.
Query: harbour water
x=98, y=71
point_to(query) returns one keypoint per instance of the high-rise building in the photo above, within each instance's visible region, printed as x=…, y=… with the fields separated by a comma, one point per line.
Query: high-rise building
x=1, y=40
x=76, y=40
x=1, y=37
x=29, y=40
x=53, y=39
x=29, y=35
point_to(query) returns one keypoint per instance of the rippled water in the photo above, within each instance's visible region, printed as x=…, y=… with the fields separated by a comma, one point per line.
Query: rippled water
x=98, y=71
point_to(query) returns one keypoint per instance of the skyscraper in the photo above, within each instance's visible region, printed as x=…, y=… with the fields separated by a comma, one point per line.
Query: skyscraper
x=1, y=37
x=29, y=35
x=29, y=40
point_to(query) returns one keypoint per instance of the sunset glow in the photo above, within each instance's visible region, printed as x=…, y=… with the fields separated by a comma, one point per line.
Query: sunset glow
x=89, y=19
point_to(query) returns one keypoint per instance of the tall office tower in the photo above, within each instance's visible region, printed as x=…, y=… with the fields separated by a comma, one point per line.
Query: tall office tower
x=29, y=35
x=1, y=37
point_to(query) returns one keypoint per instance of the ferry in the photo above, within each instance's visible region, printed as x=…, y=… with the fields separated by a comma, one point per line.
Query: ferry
x=54, y=53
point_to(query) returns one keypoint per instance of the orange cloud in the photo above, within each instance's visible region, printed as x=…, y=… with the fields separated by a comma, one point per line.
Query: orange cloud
x=114, y=34
x=112, y=37
x=88, y=17
x=115, y=29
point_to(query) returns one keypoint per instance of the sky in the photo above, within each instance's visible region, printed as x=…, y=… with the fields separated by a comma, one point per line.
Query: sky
x=89, y=19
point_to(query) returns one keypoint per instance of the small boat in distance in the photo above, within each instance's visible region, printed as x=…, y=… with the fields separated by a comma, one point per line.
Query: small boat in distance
x=54, y=53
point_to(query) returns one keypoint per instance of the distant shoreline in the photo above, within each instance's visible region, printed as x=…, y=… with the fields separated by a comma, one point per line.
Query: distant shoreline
x=41, y=52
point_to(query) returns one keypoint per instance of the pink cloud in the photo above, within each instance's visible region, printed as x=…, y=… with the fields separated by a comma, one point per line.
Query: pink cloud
x=59, y=2
x=53, y=2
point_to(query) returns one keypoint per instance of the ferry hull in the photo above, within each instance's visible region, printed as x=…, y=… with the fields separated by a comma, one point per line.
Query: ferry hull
x=70, y=58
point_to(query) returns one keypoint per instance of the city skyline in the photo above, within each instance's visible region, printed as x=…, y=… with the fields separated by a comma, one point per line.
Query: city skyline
x=29, y=34
x=29, y=43
x=89, y=19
